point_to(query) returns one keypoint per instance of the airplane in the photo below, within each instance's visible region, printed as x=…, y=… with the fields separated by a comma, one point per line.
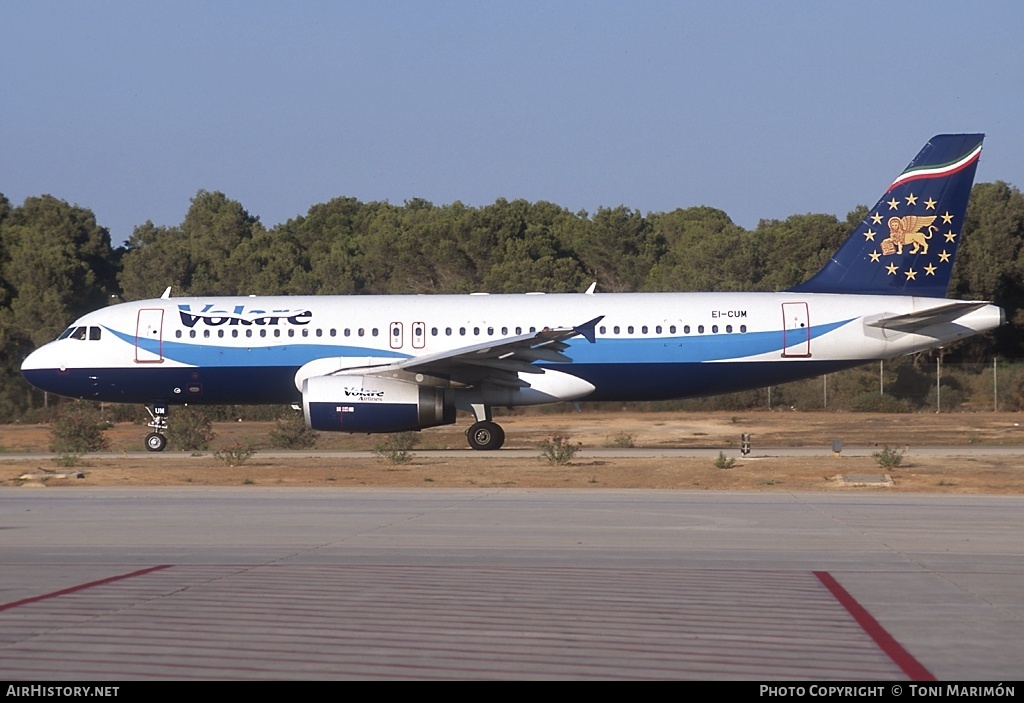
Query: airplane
x=376, y=364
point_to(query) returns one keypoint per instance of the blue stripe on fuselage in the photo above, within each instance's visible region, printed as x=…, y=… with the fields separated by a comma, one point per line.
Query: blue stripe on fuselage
x=206, y=353
x=606, y=350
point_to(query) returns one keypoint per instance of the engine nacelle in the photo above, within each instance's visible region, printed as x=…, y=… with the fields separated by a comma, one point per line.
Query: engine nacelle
x=371, y=404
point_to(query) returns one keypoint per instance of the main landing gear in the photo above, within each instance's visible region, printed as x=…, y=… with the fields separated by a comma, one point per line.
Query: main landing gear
x=157, y=439
x=485, y=434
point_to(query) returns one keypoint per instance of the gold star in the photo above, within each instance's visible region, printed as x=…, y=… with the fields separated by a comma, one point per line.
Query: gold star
x=869, y=235
x=929, y=270
x=874, y=255
x=947, y=218
x=891, y=269
x=911, y=199
x=911, y=273
x=929, y=204
x=876, y=219
x=950, y=235
x=893, y=204
x=944, y=256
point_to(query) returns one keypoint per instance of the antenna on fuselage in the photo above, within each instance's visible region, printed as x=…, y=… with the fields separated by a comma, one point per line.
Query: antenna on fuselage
x=167, y=294
x=593, y=287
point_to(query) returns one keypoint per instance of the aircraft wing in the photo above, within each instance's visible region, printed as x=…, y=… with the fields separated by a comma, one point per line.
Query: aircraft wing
x=499, y=361
x=914, y=321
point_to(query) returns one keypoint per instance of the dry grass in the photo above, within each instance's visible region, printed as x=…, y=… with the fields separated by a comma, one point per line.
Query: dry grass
x=478, y=469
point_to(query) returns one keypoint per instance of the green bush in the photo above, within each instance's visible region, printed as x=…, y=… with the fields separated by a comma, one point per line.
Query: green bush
x=395, y=447
x=78, y=428
x=623, y=440
x=889, y=458
x=724, y=462
x=875, y=402
x=235, y=455
x=291, y=432
x=557, y=449
x=189, y=429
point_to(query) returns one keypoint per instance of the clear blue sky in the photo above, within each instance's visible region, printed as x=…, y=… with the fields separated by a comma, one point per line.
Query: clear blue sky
x=761, y=109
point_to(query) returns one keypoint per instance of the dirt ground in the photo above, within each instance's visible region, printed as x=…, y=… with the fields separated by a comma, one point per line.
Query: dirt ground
x=952, y=474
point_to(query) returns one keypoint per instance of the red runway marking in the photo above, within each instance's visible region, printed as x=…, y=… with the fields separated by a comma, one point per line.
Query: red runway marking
x=904, y=659
x=82, y=587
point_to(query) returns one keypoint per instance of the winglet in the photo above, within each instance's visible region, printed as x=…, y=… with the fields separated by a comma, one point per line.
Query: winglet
x=908, y=242
x=588, y=329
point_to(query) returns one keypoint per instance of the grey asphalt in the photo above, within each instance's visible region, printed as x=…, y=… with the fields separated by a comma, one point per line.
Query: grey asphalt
x=264, y=583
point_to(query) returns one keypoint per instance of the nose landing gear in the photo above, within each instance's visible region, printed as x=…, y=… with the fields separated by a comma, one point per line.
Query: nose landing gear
x=157, y=439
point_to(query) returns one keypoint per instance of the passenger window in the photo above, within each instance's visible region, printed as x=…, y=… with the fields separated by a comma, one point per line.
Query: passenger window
x=700, y=329
x=177, y=333
x=192, y=334
x=714, y=329
x=743, y=328
x=728, y=328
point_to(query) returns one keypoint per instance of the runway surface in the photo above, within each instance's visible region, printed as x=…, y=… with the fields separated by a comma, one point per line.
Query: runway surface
x=274, y=583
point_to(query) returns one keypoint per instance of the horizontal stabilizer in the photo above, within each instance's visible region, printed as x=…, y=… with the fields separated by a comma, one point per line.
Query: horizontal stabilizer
x=911, y=322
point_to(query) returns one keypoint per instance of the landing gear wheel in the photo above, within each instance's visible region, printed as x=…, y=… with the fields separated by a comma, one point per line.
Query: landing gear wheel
x=485, y=435
x=155, y=442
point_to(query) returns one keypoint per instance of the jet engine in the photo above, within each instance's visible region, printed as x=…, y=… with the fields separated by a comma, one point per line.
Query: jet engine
x=370, y=404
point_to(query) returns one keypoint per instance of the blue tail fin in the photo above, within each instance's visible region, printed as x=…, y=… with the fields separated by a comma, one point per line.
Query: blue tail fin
x=908, y=242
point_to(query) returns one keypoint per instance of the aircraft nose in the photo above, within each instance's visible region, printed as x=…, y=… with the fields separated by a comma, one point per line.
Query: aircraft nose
x=42, y=369
x=36, y=361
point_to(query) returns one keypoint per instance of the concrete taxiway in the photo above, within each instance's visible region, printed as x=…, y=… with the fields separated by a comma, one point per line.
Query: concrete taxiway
x=275, y=583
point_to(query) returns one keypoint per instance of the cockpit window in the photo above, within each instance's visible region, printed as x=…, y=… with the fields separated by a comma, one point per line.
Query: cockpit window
x=90, y=333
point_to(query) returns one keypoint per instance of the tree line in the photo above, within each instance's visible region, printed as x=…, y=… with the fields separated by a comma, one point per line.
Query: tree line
x=57, y=262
